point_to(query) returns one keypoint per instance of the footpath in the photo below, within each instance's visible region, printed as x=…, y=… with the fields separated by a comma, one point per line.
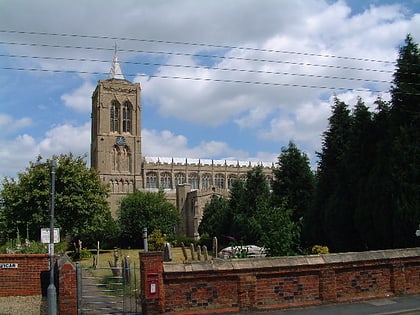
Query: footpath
x=384, y=306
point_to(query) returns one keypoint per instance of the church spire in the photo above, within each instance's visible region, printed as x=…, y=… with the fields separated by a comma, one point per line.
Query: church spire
x=116, y=72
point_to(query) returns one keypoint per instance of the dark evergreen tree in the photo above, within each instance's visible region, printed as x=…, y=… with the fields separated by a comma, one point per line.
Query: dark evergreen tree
x=405, y=116
x=331, y=210
x=216, y=219
x=373, y=214
x=294, y=182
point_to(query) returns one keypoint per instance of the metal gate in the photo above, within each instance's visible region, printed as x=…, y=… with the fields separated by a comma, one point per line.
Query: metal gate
x=113, y=290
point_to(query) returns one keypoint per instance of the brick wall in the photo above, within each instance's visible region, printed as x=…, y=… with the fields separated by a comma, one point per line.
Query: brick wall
x=26, y=279
x=67, y=286
x=223, y=286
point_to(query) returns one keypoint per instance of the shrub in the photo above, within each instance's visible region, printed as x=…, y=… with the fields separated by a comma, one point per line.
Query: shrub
x=156, y=241
x=319, y=249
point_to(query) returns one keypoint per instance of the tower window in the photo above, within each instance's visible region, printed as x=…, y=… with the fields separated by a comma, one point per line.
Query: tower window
x=115, y=117
x=126, y=123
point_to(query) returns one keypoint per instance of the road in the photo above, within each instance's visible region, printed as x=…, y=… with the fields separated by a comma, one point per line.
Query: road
x=385, y=306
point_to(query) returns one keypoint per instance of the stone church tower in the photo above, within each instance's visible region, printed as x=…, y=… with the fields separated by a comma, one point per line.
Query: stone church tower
x=116, y=133
x=116, y=154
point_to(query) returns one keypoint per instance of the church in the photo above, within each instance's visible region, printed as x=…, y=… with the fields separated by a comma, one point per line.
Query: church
x=116, y=154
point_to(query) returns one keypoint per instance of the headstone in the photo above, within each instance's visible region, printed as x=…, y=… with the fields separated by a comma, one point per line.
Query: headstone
x=215, y=250
x=167, y=252
x=198, y=252
x=206, y=254
x=192, y=251
x=184, y=251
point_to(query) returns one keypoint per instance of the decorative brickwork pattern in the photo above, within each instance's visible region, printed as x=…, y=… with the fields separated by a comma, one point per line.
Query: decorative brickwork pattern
x=240, y=285
x=359, y=283
x=289, y=289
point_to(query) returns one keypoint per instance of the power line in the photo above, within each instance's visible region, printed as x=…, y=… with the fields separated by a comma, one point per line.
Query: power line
x=198, y=79
x=200, y=55
x=200, y=67
x=196, y=44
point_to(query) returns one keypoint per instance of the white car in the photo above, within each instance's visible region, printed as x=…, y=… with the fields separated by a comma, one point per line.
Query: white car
x=245, y=251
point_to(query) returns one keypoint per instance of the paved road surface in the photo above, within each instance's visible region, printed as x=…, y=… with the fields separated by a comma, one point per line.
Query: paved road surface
x=386, y=306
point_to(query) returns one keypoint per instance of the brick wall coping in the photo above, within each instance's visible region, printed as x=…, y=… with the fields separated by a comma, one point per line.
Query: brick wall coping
x=17, y=256
x=287, y=261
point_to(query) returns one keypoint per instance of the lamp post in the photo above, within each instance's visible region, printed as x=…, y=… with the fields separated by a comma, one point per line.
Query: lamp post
x=51, y=291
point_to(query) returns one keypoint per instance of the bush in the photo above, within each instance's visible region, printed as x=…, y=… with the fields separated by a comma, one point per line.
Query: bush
x=206, y=240
x=156, y=241
x=81, y=254
x=28, y=247
x=179, y=240
x=319, y=249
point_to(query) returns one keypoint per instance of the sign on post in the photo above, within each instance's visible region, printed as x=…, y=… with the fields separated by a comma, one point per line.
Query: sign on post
x=45, y=235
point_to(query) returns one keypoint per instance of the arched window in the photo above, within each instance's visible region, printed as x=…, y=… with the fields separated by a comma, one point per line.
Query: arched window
x=193, y=180
x=179, y=178
x=206, y=181
x=126, y=112
x=219, y=181
x=114, y=116
x=151, y=180
x=166, y=180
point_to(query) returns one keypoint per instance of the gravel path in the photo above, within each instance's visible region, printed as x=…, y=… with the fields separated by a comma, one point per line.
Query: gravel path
x=23, y=305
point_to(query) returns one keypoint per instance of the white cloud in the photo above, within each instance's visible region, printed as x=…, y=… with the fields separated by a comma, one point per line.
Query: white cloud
x=285, y=82
x=166, y=144
x=9, y=124
x=16, y=153
x=80, y=98
x=66, y=138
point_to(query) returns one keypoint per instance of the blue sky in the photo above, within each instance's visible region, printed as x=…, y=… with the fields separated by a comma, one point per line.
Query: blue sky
x=214, y=100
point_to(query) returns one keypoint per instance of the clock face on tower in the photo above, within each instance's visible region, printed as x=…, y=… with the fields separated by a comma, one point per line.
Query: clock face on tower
x=120, y=140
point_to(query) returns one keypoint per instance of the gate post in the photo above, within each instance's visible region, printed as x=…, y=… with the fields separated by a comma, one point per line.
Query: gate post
x=152, y=291
x=67, y=284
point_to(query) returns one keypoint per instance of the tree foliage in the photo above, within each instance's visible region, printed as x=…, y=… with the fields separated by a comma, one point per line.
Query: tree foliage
x=250, y=218
x=294, y=181
x=81, y=209
x=216, y=218
x=145, y=209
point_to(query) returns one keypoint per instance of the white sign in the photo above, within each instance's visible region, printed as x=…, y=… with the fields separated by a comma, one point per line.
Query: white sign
x=8, y=266
x=45, y=235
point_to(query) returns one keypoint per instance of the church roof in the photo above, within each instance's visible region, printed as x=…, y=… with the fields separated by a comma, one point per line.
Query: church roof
x=174, y=160
x=116, y=71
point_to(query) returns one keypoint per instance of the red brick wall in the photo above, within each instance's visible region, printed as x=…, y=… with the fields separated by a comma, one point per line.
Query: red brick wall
x=26, y=279
x=223, y=286
x=67, y=286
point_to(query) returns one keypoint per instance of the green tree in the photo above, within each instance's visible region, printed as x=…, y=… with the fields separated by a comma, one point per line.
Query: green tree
x=81, y=208
x=247, y=200
x=294, y=181
x=279, y=233
x=145, y=209
x=405, y=117
x=331, y=211
x=216, y=218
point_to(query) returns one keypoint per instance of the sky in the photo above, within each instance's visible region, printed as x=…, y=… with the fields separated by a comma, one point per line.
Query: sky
x=220, y=79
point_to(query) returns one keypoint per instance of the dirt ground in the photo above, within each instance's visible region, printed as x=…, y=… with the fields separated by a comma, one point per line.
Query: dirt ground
x=23, y=305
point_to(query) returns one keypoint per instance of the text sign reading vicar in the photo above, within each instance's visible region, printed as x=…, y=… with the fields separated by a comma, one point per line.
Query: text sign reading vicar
x=45, y=235
x=8, y=266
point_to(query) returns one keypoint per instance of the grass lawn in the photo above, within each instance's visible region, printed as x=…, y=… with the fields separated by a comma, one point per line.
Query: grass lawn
x=108, y=255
